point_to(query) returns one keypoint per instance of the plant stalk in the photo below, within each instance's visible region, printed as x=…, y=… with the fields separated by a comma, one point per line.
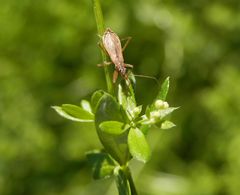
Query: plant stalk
x=101, y=28
x=128, y=186
x=131, y=182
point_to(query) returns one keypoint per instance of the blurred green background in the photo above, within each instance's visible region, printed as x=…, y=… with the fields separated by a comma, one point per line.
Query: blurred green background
x=48, y=56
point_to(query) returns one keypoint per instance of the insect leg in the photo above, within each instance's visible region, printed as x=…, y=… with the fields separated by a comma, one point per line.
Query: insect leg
x=128, y=65
x=127, y=42
x=105, y=63
x=115, y=76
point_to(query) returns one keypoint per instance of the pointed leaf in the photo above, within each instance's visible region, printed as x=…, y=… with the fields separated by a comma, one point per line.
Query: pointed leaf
x=112, y=127
x=66, y=115
x=138, y=145
x=165, y=112
x=136, y=111
x=122, y=99
x=164, y=90
x=148, y=110
x=102, y=164
x=95, y=99
x=167, y=125
x=78, y=113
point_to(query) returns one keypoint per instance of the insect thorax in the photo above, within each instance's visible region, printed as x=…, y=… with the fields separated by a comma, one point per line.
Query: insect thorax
x=121, y=69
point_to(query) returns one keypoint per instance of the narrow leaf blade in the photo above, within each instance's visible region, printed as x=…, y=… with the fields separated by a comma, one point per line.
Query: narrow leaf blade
x=97, y=95
x=165, y=112
x=163, y=90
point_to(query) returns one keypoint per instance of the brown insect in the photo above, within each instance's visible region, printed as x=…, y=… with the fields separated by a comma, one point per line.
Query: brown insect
x=111, y=44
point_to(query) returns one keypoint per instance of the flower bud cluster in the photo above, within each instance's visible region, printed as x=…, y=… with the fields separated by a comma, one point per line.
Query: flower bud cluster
x=159, y=104
x=155, y=115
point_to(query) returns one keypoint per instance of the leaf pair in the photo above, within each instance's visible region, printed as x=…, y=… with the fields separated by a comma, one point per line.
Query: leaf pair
x=76, y=113
x=136, y=140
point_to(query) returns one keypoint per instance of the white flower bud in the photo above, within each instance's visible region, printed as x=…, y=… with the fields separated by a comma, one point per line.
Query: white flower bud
x=137, y=110
x=165, y=105
x=159, y=104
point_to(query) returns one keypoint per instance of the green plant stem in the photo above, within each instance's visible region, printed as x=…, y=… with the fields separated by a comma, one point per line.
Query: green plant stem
x=131, y=182
x=101, y=28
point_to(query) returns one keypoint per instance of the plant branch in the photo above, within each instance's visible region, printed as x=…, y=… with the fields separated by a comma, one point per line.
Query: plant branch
x=101, y=28
x=131, y=182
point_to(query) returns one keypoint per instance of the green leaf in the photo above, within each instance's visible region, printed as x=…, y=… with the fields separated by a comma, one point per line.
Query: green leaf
x=95, y=99
x=122, y=99
x=82, y=116
x=136, y=111
x=138, y=145
x=132, y=79
x=164, y=90
x=112, y=127
x=122, y=182
x=108, y=109
x=77, y=112
x=144, y=128
x=165, y=112
x=86, y=105
x=148, y=110
x=102, y=164
x=127, y=100
x=167, y=125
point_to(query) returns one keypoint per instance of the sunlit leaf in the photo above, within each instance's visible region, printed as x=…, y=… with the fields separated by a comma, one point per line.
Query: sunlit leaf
x=77, y=112
x=138, y=145
x=165, y=112
x=112, y=127
x=122, y=99
x=136, y=111
x=82, y=116
x=163, y=90
x=167, y=125
x=95, y=99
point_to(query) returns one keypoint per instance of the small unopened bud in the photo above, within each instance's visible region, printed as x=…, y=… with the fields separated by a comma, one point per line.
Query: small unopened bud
x=159, y=104
x=137, y=110
x=165, y=105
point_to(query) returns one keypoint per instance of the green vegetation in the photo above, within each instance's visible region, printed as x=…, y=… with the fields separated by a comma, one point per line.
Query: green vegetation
x=48, y=56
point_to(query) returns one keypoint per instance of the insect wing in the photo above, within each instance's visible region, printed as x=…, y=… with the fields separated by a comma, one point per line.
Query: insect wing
x=113, y=46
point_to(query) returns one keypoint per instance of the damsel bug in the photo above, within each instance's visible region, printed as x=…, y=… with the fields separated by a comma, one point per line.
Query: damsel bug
x=111, y=44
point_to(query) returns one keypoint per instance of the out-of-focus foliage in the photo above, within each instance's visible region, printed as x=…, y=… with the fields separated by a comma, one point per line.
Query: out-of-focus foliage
x=48, y=56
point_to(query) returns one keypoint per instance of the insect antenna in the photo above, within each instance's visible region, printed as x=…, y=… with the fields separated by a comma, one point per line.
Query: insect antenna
x=147, y=77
